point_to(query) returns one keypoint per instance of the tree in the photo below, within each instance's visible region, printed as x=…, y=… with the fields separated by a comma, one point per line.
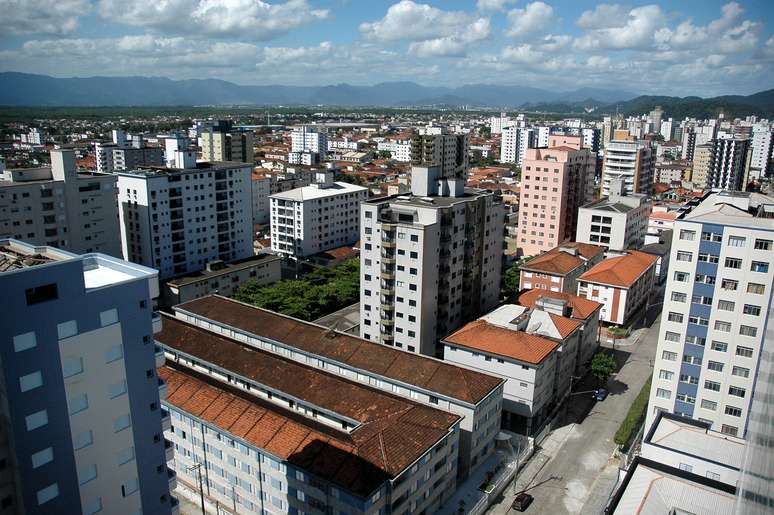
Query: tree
x=602, y=366
x=512, y=276
x=384, y=154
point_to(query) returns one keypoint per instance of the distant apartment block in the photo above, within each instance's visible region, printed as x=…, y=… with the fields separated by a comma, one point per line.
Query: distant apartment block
x=632, y=161
x=702, y=162
x=622, y=285
x=123, y=154
x=399, y=149
x=82, y=430
x=220, y=142
x=617, y=222
x=555, y=182
x=761, y=151
x=222, y=278
x=60, y=206
x=433, y=147
x=716, y=309
x=263, y=187
x=315, y=218
x=178, y=219
x=558, y=269
x=309, y=145
x=514, y=144
x=728, y=166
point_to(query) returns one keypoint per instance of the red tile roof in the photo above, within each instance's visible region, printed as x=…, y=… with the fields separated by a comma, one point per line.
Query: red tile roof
x=581, y=308
x=565, y=326
x=428, y=373
x=485, y=337
x=558, y=262
x=620, y=271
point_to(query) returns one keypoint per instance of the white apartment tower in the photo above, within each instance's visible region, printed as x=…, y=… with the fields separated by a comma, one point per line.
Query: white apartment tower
x=716, y=309
x=316, y=218
x=727, y=167
x=60, y=206
x=632, y=161
x=514, y=144
x=762, y=150
x=306, y=139
x=178, y=219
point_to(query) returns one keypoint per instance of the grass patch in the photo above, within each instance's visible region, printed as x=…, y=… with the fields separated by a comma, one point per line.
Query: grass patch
x=634, y=416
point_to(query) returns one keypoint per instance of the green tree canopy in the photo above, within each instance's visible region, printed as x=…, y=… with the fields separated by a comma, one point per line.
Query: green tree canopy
x=602, y=366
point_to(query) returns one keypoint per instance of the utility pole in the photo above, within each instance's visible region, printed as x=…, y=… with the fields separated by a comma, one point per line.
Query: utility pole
x=198, y=468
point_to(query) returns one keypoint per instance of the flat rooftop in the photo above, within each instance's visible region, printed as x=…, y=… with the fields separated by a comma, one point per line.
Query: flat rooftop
x=200, y=166
x=227, y=268
x=739, y=208
x=611, y=205
x=313, y=191
x=407, y=199
x=16, y=255
x=420, y=371
x=391, y=434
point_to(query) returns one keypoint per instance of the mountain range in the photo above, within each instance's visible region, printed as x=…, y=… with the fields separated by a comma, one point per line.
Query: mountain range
x=23, y=89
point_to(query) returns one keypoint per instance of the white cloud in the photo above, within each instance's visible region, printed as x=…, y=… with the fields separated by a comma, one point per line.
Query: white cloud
x=552, y=43
x=603, y=16
x=237, y=19
x=637, y=32
x=522, y=54
x=493, y=5
x=273, y=56
x=724, y=35
x=54, y=17
x=411, y=21
x=534, y=18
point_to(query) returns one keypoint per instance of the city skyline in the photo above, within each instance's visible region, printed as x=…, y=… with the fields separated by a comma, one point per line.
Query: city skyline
x=646, y=48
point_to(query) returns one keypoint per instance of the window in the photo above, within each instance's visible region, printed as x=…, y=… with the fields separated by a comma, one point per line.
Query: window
x=67, y=329
x=735, y=263
x=679, y=297
x=691, y=360
x=684, y=397
x=713, y=475
x=116, y=389
x=686, y=467
x=108, y=317
x=687, y=235
x=675, y=317
x=719, y=346
x=414, y=237
x=712, y=385
x=36, y=420
x=708, y=258
x=708, y=236
x=666, y=374
x=93, y=506
x=669, y=356
x=24, y=341
x=693, y=319
x=696, y=340
x=726, y=305
x=41, y=294
x=30, y=381
x=83, y=440
x=72, y=366
x=78, y=403
x=759, y=266
x=762, y=244
x=126, y=455
x=129, y=487
x=685, y=378
x=663, y=394
x=710, y=405
x=756, y=288
x=40, y=458
x=114, y=353
x=740, y=371
x=736, y=391
x=121, y=423
x=722, y=326
x=733, y=411
x=745, y=352
x=681, y=276
x=684, y=256
x=86, y=474
x=729, y=284
x=729, y=430
x=706, y=279
x=48, y=493
x=671, y=337
x=746, y=330
x=736, y=241
x=717, y=366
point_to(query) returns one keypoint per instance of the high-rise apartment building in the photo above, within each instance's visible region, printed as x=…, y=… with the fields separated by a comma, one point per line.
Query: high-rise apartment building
x=310, y=142
x=125, y=154
x=429, y=261
x=591, y=137
x=667, y=129
x=556, y=181
x=514, y=144
x=498, y=123
x=315, y=218
x=727, y=169
x=82, y=419
x=434, y=147
x=60, y=206
x=178, y=219
x=716, y=310
x=702, y=162
x=633, y=161
x=222, y=143
x=762, y=151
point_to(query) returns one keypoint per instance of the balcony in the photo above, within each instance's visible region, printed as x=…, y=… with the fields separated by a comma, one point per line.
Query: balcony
x=160, y=358
x=172, y=477
x=166, y=420
x=163, y=389
x=388, y=307
x=387, y=320
x=388, y=289
x=156, y=322
x=169, y=450
x=175, y=504
x=388, y=273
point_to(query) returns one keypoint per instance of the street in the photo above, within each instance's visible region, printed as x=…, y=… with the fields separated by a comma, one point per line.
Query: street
x=573, y=471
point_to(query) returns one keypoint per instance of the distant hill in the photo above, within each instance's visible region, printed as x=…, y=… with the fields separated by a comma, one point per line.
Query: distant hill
x=23, y=89
x=731, y=106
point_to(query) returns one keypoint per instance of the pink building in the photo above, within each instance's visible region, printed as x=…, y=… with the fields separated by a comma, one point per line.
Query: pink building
x=556, y=181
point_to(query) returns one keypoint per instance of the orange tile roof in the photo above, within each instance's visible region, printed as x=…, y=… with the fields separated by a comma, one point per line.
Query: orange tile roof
x=394, y=436
x=518, y=345
x=581, y=308
x=620, y=271
x=428, y=373
x=565, y=326
x=664, y=215
x=558, y=262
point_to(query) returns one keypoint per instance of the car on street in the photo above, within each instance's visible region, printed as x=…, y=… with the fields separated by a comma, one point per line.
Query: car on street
x=522, y=501
x=601, y=394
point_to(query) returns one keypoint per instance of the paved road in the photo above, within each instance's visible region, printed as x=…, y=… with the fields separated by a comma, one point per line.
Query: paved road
x=574, y=473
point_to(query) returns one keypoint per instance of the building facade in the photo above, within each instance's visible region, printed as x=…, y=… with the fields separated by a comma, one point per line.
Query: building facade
x=728, y=165
x=558, y=269
x=60, y=206
x=617, y=222
x=228, y=145
x=631, y=161
x=80, y=395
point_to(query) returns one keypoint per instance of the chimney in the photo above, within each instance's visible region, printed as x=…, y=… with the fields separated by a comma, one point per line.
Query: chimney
x=556, y=306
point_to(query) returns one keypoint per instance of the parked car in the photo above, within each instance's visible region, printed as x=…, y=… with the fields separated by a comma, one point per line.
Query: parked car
x=522, y=501
x=600, y=394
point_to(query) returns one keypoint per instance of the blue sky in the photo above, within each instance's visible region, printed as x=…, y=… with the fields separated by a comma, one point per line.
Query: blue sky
x=679, y=48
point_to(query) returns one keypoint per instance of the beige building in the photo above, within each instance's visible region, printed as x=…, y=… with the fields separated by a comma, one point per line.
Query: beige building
x=630, y=160
x=60, y=207
x=228, y=146
x=702, y=160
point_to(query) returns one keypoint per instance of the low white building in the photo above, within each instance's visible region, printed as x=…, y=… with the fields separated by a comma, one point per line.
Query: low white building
x=617, y=222
x=316, y=218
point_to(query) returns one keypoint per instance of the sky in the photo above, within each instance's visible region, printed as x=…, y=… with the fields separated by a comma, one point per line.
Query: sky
x=691, y=47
